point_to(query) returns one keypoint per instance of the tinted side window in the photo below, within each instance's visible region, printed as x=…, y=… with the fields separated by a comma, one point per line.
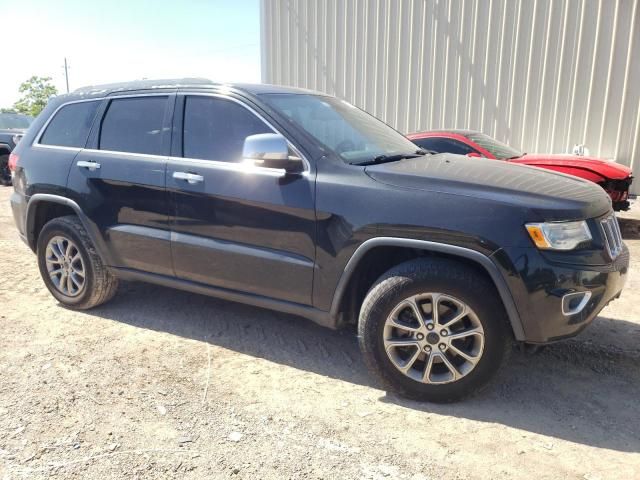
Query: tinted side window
x=443, y=145
x=215, y=129
x=134, y=125
x=70, y=126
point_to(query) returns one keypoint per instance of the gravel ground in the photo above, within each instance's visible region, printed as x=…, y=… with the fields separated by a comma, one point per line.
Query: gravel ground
x=166, y=384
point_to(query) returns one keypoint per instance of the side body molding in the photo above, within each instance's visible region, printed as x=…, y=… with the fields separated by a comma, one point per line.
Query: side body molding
x=482, y=260
x=89, y=226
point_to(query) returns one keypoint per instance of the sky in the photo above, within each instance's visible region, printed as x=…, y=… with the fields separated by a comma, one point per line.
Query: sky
x=111, y=41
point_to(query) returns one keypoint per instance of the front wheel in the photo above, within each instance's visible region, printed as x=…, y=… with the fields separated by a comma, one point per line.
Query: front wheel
x=434, y=330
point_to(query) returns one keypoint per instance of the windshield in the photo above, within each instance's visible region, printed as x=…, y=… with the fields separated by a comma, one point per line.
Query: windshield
x=14, y=121
x=498, y=149
x=349, y=132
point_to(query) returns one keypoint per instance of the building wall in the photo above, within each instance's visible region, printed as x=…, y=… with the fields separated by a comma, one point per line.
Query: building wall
x=541, y=75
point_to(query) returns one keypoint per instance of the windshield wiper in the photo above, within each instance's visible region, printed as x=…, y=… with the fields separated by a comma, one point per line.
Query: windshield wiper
x=392, y=158
x=424, y=151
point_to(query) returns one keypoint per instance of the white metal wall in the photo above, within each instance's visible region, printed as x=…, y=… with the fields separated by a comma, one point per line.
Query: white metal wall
x=541, y=75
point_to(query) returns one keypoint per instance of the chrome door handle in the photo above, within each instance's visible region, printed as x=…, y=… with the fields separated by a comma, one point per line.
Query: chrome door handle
x=192, y=178
x=90, y=165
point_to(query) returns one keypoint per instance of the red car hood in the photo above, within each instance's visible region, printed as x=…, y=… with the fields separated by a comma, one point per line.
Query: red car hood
x=591, y=168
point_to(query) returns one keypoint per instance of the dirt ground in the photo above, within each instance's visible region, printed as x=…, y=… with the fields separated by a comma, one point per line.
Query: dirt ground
x=166, y=384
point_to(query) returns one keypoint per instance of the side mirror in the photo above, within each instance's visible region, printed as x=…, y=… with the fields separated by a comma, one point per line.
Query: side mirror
x=270, y=150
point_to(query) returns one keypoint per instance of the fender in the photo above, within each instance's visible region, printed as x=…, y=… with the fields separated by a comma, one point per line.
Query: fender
x=480, y=259
x=89, y=226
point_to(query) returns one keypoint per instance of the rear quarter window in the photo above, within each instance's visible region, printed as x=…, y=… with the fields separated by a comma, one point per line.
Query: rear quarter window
x=70, y=125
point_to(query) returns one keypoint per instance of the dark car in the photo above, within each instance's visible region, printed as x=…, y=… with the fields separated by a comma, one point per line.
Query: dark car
x=12, y=127
x=614, y=178
x=302, y=203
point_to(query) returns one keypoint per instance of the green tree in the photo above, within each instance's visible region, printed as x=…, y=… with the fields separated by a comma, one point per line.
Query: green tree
x=35, y=93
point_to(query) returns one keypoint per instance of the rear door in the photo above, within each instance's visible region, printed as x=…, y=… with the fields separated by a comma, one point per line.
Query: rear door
x=240, y=228
x=119, y=180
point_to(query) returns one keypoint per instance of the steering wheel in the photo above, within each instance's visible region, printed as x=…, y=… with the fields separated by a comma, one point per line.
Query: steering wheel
x=345, y=146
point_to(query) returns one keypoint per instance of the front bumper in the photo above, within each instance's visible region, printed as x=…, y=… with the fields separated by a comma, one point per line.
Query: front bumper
x=538, y=287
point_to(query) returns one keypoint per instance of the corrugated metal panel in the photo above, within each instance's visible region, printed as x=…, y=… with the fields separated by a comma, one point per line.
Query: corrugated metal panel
x=541, y=75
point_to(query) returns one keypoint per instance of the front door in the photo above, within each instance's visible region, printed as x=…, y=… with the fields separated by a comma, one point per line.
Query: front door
x=119, y=180
x=233, y=226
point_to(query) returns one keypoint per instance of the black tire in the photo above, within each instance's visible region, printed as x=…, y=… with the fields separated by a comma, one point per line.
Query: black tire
x=5, y=174
x=100, y=285
x=446, y=277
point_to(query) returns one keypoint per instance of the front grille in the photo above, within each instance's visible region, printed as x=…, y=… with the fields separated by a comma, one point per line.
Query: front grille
x=612, y=235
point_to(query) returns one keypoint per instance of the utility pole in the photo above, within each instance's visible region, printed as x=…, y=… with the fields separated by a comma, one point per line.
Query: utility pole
x=66, y=73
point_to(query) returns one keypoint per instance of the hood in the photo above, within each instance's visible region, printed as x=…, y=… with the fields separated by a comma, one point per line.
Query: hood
x=551, y=195
x=591, y=168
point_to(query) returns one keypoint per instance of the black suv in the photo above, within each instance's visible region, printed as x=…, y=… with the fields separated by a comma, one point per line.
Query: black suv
x=299, y=202
x=12, y=127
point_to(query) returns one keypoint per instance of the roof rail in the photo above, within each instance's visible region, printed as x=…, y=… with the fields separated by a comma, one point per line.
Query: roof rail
x=145, y=84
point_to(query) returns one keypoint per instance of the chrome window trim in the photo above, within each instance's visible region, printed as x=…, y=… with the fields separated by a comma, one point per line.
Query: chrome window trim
x=130, y=154
x=237, y=166
x=240, y=167
x=214, y=163
x=57, y=147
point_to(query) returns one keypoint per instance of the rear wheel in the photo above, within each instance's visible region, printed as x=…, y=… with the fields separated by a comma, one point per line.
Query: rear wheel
x=70, y=266
x=434, y=330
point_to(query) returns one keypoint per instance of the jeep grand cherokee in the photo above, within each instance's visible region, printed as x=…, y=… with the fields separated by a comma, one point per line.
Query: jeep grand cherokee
x=299, y=202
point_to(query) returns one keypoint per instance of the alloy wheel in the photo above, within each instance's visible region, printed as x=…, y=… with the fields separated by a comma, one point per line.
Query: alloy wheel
x=433, y=338
x=65, y=266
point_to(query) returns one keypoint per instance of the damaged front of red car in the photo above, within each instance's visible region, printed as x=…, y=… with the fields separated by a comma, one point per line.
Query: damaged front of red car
x=614, y=178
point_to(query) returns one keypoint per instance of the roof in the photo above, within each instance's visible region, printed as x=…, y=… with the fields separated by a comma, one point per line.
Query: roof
x=255, y=89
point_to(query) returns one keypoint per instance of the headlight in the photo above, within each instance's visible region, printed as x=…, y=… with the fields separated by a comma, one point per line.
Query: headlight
x=559, y=235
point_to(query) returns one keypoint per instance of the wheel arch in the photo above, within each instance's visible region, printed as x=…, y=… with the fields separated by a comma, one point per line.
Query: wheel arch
x=43, y=207
x=469, y=256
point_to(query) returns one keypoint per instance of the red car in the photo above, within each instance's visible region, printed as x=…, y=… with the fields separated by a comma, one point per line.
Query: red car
x=613, y=177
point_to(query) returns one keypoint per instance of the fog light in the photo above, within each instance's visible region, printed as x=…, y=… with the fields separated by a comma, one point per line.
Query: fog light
x=573, y=303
